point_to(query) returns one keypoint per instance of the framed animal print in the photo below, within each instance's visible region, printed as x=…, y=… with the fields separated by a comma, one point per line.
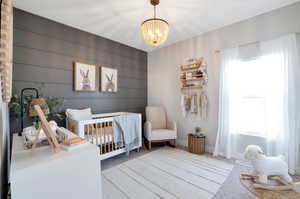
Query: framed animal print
x=108, y=79
x=84, y=77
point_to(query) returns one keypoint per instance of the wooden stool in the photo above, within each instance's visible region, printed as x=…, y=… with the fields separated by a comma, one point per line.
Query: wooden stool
x=196, y=144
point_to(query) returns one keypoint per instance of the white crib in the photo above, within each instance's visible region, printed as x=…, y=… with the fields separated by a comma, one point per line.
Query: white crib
x=100, y=131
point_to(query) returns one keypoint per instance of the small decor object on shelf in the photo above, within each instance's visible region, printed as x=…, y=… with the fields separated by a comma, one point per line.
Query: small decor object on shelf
x=196, y=143
x=84, y=77
x=109, y=79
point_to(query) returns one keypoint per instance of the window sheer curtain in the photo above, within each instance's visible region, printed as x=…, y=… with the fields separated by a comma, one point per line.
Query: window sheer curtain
x=280, y=57
x=225, y=136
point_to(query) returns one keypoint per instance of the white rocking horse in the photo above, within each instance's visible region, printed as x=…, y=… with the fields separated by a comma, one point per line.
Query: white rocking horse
x=273, y=168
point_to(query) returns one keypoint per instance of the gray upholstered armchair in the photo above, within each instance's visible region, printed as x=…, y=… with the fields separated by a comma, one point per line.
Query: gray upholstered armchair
x=157, y=127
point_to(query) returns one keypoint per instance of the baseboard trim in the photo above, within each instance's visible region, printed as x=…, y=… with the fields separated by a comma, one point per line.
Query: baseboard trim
x=298, y=171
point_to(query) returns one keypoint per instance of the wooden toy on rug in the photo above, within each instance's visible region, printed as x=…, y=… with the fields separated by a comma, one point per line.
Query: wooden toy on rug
x=269, y=168
x=282, y=185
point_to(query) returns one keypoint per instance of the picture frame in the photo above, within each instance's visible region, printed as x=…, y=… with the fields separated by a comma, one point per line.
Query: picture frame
x=84, y=77
x=108, y=79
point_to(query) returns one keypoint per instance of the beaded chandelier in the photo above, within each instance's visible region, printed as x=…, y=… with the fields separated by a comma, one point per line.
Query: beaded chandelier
x=155, y=30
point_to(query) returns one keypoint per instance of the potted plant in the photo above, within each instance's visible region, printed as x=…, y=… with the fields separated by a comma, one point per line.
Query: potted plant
x=55, y=105
x=198, y=131
x=15, y=113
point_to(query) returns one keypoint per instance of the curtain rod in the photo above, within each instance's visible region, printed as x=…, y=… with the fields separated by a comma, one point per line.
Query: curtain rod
x=247, y=44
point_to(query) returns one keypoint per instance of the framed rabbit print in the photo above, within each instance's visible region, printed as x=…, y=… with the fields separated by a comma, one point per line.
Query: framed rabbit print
x=108, y=79
x=84, y=77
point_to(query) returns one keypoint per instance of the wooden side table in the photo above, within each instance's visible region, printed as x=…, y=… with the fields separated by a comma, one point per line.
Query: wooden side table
x=196, y=144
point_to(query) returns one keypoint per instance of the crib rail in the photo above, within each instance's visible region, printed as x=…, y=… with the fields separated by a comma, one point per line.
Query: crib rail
x=101, y=133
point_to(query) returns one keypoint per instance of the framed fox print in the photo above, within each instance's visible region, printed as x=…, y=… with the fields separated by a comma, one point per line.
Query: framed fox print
x=84, y=77
x=108, y=79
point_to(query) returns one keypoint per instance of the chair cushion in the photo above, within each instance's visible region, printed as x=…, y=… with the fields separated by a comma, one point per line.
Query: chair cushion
x=157, y=117
x=79, y=115
x=162, y=134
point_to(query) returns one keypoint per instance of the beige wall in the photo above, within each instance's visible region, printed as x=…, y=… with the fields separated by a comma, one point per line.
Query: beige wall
x=163, y=73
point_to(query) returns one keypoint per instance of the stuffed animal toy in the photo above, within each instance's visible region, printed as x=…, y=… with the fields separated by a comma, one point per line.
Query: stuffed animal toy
x=267, y=166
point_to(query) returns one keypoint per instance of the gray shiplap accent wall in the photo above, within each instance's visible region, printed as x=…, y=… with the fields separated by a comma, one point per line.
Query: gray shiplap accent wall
x=44, y=52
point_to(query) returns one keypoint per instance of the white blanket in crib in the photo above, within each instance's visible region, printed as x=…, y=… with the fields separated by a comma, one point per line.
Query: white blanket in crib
x=129, y=126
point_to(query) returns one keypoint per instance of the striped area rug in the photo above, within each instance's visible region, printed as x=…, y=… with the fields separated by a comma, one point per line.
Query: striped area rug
x=166, y=173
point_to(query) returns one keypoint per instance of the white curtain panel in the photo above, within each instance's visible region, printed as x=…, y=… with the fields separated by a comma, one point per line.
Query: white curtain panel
x=229, y=60
x=281, y=56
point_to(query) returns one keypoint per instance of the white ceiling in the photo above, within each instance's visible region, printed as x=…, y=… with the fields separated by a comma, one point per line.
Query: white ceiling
x=120, y=20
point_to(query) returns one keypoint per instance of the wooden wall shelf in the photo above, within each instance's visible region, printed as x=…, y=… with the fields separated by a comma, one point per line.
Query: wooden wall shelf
x=193, y=79
x=191, y=66
x=191, y=87
x=192, y=75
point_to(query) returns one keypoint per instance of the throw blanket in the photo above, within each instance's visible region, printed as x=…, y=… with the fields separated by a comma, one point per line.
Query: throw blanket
x=127, y=125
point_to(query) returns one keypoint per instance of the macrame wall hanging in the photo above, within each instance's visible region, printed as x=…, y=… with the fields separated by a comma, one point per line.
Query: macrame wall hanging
x=6, y=49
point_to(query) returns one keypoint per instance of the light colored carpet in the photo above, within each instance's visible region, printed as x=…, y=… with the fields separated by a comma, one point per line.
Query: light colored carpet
x=166, y=173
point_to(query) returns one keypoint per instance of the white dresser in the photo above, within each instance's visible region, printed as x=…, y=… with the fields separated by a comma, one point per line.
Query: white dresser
x=43, y=174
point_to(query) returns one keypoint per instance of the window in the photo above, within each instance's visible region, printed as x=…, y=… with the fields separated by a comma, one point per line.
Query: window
x=259, y=97
x=253, y=97
x=252, y=114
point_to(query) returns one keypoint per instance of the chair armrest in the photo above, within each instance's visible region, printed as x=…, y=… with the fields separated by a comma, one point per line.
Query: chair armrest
x=147, y=129
x=171, y=125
